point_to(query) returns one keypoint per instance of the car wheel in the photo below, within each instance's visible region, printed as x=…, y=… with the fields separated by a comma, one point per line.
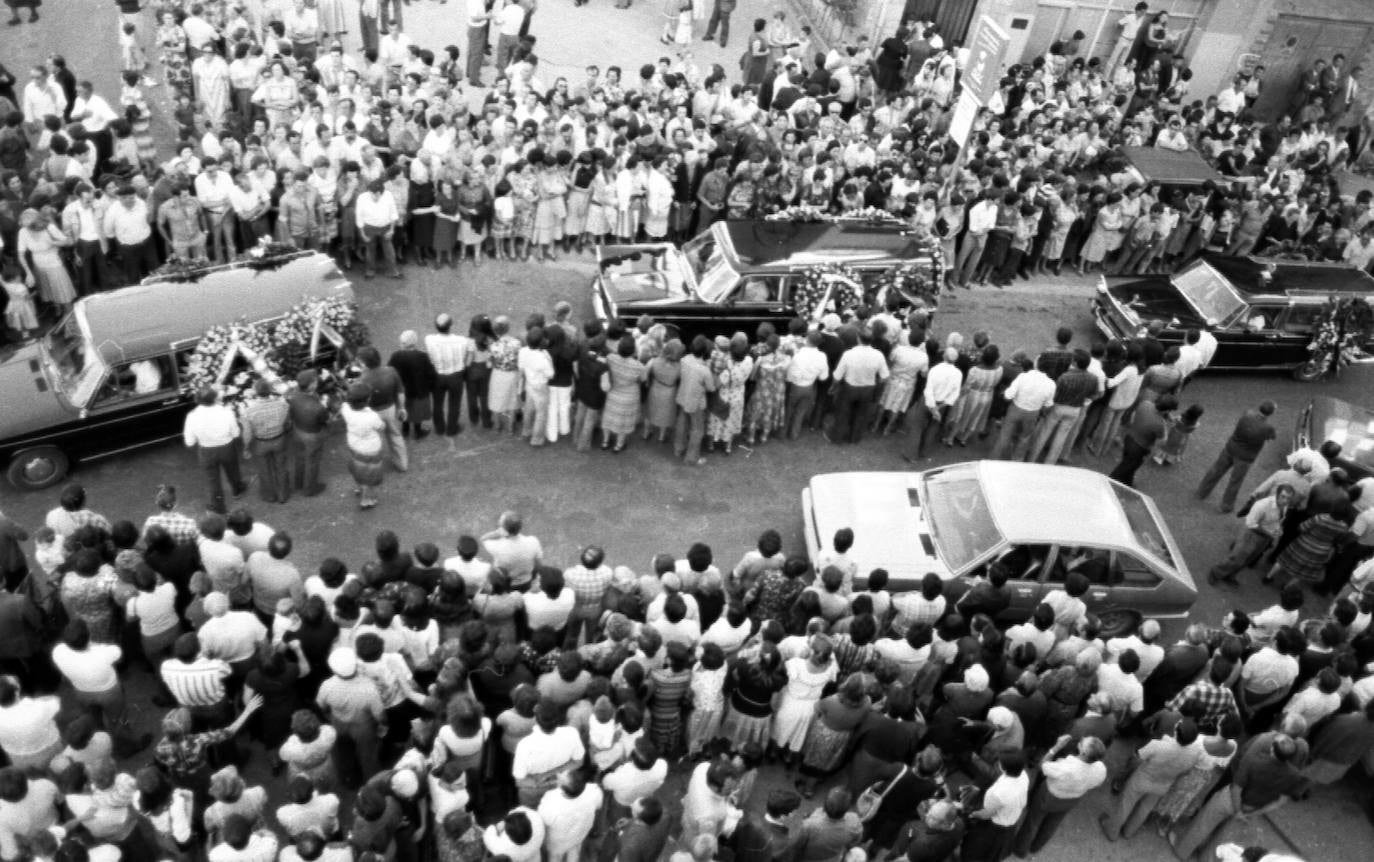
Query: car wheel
x=1310, y=371
x=35, y=469
x=1118, y=624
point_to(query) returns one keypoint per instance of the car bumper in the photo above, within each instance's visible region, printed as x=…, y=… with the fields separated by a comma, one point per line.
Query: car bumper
x=1105, y=324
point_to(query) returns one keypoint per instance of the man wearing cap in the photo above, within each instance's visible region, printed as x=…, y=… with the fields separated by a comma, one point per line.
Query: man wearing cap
x=1252, y=431
x=768, y=838
x=352, y=704
x=542, y=756
x=309, y=421
x=128, y=224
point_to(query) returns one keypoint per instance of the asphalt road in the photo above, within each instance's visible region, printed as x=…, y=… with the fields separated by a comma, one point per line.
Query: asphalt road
x=642, y=502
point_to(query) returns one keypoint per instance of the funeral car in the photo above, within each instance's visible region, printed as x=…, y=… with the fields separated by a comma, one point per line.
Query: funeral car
x=1331, y=419
x=1039, y=520
x=109, y=377
x=1264, y=313
x=738, y=274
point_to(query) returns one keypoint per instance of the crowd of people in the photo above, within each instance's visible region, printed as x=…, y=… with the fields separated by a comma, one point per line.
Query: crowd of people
x=404, y=153
x=492, y=705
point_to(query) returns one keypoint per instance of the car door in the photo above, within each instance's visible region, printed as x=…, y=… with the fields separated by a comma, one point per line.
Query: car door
x=1296, y=328
x=1026, y=564
x=1254, y=339
x=1132, y=584
x=137, y=404
x=756, y=299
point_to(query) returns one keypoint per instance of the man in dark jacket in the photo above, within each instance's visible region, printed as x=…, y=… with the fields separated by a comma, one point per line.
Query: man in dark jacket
x=643, y=837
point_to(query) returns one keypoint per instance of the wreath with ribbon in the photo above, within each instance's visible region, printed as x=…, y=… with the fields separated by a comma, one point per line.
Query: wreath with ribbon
x=1345, y=325
x=827, y=287
x=315, y=326
x=913, y=281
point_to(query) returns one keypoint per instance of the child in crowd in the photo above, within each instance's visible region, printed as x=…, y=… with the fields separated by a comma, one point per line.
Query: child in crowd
x=20, y=313
x=707, y=693
x=132, y=56
x=1176, y=440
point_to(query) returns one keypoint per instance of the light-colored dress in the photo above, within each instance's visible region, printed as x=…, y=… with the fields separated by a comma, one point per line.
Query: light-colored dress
x=621, y=413
x=333, y=17
x=661, y=407
x=1106, y=236
x=905, y=364
x=799, y=698
x=971, y=410
x=503, y=392
x=768, y=405
x=731, y=382
x=551, y=208
x=54, y=284
x=20, y=313
x=601, y=213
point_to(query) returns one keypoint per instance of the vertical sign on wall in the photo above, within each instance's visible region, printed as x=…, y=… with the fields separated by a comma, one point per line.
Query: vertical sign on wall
x=987, y=48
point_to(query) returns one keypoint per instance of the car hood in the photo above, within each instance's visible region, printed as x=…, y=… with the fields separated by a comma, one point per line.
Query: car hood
x=30, y=402
x=1343, y=423
x=642, y=273
x=889, y=525
x=1154, y=299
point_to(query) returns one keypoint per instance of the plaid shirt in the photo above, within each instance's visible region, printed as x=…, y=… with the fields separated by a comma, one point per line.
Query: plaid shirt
x=1216, y=701
x=588, y=585
x=181, y=527
x=265, y=419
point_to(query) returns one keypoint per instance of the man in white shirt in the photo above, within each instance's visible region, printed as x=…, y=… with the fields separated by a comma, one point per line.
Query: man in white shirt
x=808, y=367
x=1231, y=99
x=213, y=430
x=569, y=812
x=250, y=204
x=508, y=22
x=199, y=31
x=395, y=49
x=993, y=824
x=982, y=216
x=1028, y=396
x=640, y=776
x=510, y=549
x=127, y=223
x=213, y=190
x=42, y=98
x=550, y=748
x=81, y=222
x=377, y=217
x=1130, y=25
x=861, y=371
x=942, y=389
x=94, y=114
x=450, y=353
x=1360, y=250
x=231, y=636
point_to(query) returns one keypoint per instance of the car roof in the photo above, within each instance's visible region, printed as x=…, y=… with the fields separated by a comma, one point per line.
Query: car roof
x=1171, y=167
x=1292, y=278
x=148, y=318
x=1348, y=424
x=782, y=244
x=1045, y=503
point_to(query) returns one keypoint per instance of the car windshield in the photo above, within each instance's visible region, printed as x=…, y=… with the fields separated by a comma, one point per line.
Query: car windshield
x=1209, y=293
x=1140, y=517
x=716, y=279
x=960, y=521
x=78, y=371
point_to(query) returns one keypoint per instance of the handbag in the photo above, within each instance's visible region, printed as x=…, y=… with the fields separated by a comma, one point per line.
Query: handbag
x=868, y=803
x=717, y=406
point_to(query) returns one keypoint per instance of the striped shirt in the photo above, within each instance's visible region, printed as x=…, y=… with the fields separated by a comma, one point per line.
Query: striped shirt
x=450, y=353
x=197, y=683
x=264, y=419
x=182, y=528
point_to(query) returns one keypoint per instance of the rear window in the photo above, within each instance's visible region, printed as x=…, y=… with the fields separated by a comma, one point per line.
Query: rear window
x=959, y=518
x=1148, y=532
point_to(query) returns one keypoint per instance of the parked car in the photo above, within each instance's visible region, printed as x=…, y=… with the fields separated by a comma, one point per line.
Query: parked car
x=1264, y=313
x=738, y=274
x=1038, y=519
x=109, y=377
x=1325, y=418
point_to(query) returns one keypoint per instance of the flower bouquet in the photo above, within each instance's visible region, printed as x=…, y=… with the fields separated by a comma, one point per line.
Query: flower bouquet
x=229, y=359
x=914, y=282
x=315, y=328
x=1345, y=325
x=798, y=213
x=827, y=287
x=872, y=215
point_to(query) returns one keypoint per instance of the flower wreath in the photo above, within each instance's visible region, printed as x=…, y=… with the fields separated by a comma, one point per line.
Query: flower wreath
x=215, y=361
x=912, y=281
x=315, y=325
x=827, y=287
x=1345, y=325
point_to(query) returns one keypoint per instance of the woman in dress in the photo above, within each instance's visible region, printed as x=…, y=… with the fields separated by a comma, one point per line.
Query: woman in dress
x=663, y=372
x=1192, y=788
x=621, y=413
x=498, y=607
x=749, y=688
x=333, y=18
x=87, y=592
x=420, y=204
x=550, y=210
x=477, y=379
x=669, y=697
x=524, y=197
x=503, y=390
x=366, y=438
x=462, y=742
x=975, y=400
x=446, y=221
x=1306, y=557
x=176, y=65
x=602, y=215
x=766, y=407
x=1107, y=234
x=474, y=207
x=210, y=73
x=39, y=241
x=890, y=62
x=732, y=373
x=828, y=741
x=806, y=679
x=906, y=363
x=584, y=173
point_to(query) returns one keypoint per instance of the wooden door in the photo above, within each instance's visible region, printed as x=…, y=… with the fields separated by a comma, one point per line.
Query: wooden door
x=1295, y=44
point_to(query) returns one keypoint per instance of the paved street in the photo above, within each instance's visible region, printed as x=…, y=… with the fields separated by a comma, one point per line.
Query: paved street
x=642, y=502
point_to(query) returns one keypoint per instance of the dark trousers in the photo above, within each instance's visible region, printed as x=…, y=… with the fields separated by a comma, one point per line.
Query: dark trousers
x=213, y=461
x=274, y=477
x=476, y=384
x=367, y=27
x=1225, y=462
x=91, y=272
x=448, y=388
x=994, y=253
x=800, y=401
x=823, y=403
x=477, y=42
x=250, y=231
x=719, y=18
x=307, y=449
x=927, y=425
x=137, y=260
x=851, y=412
x=1043, y=816
x=390, y=12
x=1132, y=456
x=371, y=242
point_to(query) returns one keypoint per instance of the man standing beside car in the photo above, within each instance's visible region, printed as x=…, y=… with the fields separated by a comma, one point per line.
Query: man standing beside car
x=182, y=224
x=309, y=420
x=805, y=372
x=450, y=353
x=128, y=224
x=861, y=371
x=213, y=430
x=266, y=418
x=1252, y=431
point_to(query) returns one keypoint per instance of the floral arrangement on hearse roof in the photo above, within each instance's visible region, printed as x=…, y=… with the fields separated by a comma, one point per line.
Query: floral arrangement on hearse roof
x=1345, y=325
x=232, y=358
x=805, y=213
x=266, y=255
